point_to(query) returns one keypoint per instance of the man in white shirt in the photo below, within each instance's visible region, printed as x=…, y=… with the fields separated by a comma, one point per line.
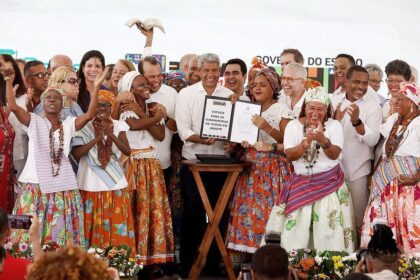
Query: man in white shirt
x=150, y=68
x=360, y=118
x=235, y=76
x=342, y=64
x=293, y=96
x=188, y=114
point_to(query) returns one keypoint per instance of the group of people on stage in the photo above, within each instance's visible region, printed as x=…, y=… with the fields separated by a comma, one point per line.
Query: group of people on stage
x=96, y=154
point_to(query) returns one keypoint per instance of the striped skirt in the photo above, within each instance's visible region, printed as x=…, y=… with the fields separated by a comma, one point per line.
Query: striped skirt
x=398, y=205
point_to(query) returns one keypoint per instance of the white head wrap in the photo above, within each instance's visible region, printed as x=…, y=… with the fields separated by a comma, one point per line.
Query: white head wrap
x=411, y=91
x=125, y=82
x=317, y=94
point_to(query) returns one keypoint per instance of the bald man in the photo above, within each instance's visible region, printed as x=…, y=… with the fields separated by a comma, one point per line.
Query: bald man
x=184, y=63
x=59, y=60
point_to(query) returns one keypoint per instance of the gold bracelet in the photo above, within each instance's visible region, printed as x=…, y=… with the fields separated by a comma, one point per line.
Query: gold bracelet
x=272, y=128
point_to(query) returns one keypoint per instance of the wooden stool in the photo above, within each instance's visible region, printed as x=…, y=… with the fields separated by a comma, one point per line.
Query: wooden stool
x=212, y=231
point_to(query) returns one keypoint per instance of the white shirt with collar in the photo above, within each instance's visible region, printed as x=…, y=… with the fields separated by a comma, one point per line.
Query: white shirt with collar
x=358, y=149
x=189, y=115
x=165, y=96
x=338, y=91
x=289, y=112
x=370, y=94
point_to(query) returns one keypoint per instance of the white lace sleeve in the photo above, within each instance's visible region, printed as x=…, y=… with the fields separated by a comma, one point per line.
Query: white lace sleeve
x=128, y=114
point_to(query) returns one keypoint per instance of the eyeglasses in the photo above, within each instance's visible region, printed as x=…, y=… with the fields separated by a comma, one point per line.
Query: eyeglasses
x=389, y=81
x=289, y=79
x=376, y=81
x=40, y=75
x=72, y=81
x=104, y=104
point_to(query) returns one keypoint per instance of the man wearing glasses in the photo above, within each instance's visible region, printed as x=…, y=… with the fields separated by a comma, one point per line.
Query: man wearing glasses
x=37, y=81
x=293, y=95
x=288, y=56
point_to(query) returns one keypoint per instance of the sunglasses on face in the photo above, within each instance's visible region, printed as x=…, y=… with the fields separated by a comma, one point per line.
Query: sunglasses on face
x=72, y=81
x=41, y=75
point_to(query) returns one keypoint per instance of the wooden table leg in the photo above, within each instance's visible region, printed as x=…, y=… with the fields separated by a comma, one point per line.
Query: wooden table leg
x=213, y=227
x=218, y=213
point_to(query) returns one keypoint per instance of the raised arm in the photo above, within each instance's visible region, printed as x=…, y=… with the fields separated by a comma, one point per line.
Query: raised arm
x=149, y=39
x=21, y=114
x=82, y=120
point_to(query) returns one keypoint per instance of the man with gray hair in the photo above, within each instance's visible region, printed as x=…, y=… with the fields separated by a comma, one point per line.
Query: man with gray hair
x=293, y=83
x=188, y=115
x=192, y=75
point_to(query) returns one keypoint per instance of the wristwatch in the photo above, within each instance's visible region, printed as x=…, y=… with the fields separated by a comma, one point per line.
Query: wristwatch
x=357, y=123
x=274, y=147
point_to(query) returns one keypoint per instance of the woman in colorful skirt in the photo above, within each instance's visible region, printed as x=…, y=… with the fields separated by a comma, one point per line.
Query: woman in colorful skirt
x=101, y=178
x=150, y=205
x=258, y=187
x=395, y=187
x=314, y=209
x=49, y=187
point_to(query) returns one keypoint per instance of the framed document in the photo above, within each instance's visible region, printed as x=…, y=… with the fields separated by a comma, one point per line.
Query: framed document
x=223, y=120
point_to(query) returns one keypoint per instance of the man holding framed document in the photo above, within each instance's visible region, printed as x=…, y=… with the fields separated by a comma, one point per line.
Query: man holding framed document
x=189, y=114
x=223, y=120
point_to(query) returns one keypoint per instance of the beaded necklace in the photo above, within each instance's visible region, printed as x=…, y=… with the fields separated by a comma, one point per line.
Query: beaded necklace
x=310, y=156
x=104, y=148
x=56, y=157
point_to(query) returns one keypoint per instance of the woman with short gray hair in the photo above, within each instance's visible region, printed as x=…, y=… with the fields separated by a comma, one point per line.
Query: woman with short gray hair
x=375, y=76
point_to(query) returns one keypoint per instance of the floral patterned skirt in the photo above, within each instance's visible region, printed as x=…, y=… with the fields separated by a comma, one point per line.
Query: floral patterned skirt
x=326, y=225
x=60, y=215
x=399, y=206
x=108, y=219
x=256, y=191
x=151, y=212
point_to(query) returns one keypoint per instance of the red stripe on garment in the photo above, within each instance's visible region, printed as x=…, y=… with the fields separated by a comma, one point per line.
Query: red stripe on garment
x=301, y=190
